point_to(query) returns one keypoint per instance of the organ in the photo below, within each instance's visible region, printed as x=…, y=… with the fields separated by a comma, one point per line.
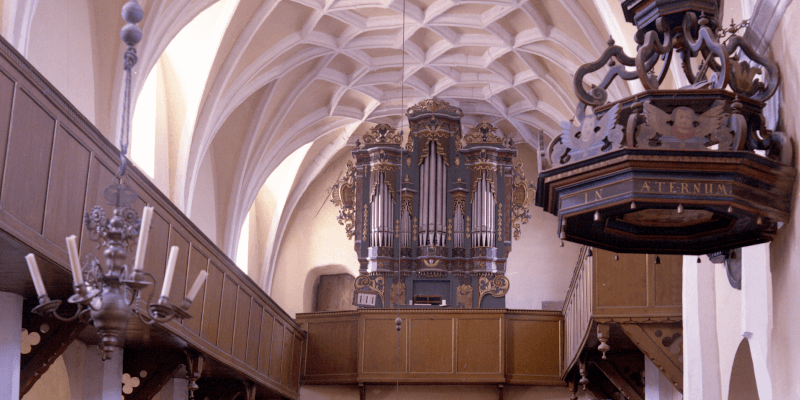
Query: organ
x=433, y=217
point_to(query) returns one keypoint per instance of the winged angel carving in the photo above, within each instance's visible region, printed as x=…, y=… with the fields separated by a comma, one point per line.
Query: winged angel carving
x=684, y=129
x=590, y=139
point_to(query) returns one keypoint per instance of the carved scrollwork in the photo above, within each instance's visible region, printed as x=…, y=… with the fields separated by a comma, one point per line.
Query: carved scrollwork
x=382, y=134
x=707, y=43
x=483, y=133
x=598, y=94
x=520, y=200
x=376, y=283
x=343, y=195
x=743, y=76
x=434, y=106
x=496, y=286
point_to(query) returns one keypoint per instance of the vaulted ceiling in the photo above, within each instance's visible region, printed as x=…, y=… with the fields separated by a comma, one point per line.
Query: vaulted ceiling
x=283, y=74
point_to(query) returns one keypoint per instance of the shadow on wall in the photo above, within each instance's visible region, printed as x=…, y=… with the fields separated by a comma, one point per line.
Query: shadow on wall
x=328, y=288
x=743, y=379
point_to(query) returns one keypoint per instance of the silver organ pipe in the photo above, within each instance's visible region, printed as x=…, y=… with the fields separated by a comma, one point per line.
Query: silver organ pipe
x=431, y=182
x=443, y=203
x=381, y=225
x=433, y=198
x=458, y=226
x=422, y=195
x=483, y=210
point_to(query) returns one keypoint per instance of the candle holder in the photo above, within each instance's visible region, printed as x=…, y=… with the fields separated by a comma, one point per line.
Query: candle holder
x=107, y=295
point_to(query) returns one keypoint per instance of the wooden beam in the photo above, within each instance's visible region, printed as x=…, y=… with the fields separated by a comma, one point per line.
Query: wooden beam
x=662, y=344
x=54, y=342
x=161, y=366
x=621, y=383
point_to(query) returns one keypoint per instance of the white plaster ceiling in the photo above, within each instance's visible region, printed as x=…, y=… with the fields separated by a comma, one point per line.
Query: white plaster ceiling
x=289, y=73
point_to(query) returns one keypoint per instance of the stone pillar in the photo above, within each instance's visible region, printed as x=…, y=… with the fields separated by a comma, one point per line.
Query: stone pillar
x=701, y=380
x=757, y=312
x=656, y=384
x=102, y=379
x=10, y=344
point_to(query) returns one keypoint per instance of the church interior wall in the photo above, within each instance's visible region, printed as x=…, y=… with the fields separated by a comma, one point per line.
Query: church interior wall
x=314, y=244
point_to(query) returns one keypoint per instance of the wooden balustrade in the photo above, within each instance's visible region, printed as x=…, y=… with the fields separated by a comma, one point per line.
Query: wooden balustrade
x=54, y=166
x=619, y=289
x=433, y=346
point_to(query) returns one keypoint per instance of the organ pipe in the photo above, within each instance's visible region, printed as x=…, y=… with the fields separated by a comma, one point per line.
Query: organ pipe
x=483, y=213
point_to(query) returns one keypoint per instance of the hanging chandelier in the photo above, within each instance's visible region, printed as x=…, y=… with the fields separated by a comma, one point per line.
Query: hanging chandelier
x=108, y=293
x=687, y=171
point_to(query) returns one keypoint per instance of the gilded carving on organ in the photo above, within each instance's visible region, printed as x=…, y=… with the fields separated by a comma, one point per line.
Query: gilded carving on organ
x=483, y=133
x=382, y=133
x=343, y=196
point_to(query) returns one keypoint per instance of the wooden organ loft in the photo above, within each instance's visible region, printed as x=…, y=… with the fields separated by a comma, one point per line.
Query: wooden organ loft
x=433, y=220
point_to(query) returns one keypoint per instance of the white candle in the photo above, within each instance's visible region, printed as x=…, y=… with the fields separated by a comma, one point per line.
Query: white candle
x=74, y=260
x=38, y=283
x=144, y=231
x=198, y=283
x=170, y=272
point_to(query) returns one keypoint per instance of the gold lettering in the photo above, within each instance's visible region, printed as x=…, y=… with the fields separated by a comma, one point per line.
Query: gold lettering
x=697, y=187
x=684, y=187
x=598, y=194
x=645, y=186
x=672, y=187
x=709, y=188
x=722, y=189
x=659, y=186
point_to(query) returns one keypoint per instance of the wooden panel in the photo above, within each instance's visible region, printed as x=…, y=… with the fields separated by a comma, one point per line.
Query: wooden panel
x=288, y=357
x=211, y=304
x=155, y=259
x=265, y=343
x=27, y=166
x=276, y=356
x=331, y=348
x=432, y=349
x=297, y=352
x=668, y=281
x=254, y=334
x=227, y=315
x=620, y=283
x=178, y=287
x=240, y=328
x=6, y=101
x=479, y=347
x=533, y=349
x=66, y=190
x=197, y=262
x=380, y=346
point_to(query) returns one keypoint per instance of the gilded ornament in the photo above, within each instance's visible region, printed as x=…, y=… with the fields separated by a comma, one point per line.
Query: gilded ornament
x=464, y=296
x=497, y=286
x=483, y=133
x=398, y=293
x=343, y=196
x=382, y=134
